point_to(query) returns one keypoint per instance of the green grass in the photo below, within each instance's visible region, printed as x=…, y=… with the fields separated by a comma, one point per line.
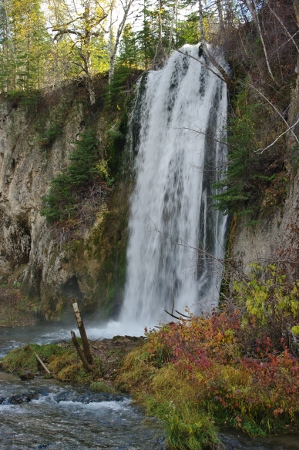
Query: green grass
x=62, y=361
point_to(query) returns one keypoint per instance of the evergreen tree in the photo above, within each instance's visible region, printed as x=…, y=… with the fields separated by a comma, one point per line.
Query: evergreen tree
x=24, y=44
x=130, y=54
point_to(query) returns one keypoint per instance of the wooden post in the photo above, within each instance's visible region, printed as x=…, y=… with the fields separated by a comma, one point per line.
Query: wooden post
x=81, y=328
x=85, y=363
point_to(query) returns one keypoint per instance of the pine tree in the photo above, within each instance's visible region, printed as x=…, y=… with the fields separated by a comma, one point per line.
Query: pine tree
x=24, y=44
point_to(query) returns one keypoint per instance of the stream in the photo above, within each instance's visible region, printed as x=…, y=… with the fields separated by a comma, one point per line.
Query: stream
x=43, y=413
x=40, y=413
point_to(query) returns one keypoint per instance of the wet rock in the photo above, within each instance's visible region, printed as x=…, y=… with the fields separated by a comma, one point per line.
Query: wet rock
x=160, y=444
x=24, y=376
x=88, y=397
x=238, y=443
x=201, y=51
x=17, y=399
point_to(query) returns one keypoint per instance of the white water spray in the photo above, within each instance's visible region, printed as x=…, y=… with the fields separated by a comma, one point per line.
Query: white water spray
x=176, y=237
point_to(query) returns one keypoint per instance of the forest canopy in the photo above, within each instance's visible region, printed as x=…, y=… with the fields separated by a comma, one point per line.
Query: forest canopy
x=44, y=42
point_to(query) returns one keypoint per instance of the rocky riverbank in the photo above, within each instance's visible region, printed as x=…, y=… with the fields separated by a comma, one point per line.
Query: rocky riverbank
x=63, y=363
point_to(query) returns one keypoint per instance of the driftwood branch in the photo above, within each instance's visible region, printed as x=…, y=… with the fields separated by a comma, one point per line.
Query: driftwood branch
x=85, y=363
x=40, y=361
x=172, y=315
x=183, y=315
x=176, y=317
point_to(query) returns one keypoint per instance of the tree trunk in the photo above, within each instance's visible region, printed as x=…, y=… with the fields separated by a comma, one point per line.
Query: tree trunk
x=220, y=15
x=201, y=27
x=81, y=328
x=174, y=17
x=85, y=363
x=114, y=45
x=296, y=9
x=251, y=5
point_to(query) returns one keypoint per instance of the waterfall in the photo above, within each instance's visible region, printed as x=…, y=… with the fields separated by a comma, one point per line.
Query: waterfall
x=176, y=236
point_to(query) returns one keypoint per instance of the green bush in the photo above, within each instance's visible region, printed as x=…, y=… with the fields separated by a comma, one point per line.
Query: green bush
x=270, y=305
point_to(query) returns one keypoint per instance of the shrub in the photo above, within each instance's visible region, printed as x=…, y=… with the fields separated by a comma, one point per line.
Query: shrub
x=270, y=305
x=224, y=368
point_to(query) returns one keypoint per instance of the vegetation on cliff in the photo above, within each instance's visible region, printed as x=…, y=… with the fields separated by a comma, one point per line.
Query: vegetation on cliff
x=76, y=57
x=262, y=133
x=86, y=170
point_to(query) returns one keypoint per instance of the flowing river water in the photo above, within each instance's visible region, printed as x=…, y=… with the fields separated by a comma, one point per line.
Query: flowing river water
x=40, y=413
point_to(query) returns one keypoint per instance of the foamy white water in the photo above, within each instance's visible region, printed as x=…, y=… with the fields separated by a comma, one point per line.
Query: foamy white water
x=176, y=237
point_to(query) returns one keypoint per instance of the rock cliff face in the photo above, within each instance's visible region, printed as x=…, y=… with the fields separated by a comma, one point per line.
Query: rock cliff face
x=51, y=267
x=274, y=237
x=39, y=258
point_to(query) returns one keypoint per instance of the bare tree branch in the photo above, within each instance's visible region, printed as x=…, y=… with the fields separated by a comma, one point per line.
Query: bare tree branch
x=172, y=315
x=275, y=109
x=261, y=150
x=181, y=243
x=251, y=5
x=211, y=136
x=291, y=38
x=225, y=78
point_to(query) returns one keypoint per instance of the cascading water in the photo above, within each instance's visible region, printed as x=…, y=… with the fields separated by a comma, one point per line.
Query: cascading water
x=176, y=237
